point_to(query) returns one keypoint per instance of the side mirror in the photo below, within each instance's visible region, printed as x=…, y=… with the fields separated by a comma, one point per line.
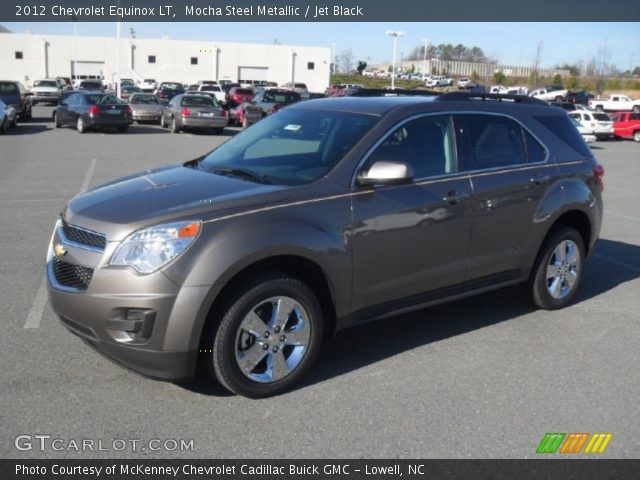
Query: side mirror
x=386, y=173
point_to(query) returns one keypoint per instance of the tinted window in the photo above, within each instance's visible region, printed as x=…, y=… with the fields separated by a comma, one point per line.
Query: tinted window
x=425, y=143
x=281, y=97
x=494, y=141
x=8, y=88
x=562, y=128
x=293, y=147
x=535, y=151
x=601, y=117
x=634, y=116
x=144, y=99
x=194, y=101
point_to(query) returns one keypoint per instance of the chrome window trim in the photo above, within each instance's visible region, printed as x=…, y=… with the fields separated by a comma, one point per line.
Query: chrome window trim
x=469, y=173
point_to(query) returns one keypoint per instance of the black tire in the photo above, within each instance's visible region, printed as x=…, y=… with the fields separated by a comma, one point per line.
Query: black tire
x=539, y=284
x=163, y=124
x=14, y=123
x=80, y=126
x=245, y=124
x=636, y=136
x=174, y=126
x=123, y=129
x=225, y=338
x=4, y=126
x=56, y=121
x=600, y=108
x=29, y=114
x=636, y=109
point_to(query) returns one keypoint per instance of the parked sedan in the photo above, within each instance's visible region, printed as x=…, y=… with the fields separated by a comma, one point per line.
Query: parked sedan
x=127, y=90
x=245, y=114
x=8, y=117
x=88, y=110
x=238, y=96
x=145, y=107
x=194, y=111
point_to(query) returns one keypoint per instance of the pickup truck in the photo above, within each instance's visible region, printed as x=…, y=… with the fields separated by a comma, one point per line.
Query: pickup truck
x=627, y=125
x=548, y=95
x=615, y=102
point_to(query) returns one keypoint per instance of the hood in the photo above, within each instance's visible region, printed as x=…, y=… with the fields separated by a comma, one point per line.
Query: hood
x=163, y=195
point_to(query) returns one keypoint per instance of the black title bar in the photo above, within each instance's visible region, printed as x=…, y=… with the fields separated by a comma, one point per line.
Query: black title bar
x=315, y=10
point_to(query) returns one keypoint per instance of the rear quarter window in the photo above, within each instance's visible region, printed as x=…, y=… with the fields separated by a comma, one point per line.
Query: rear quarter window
x=562, y=128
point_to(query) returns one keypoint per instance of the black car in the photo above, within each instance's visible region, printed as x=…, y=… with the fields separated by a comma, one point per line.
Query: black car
x=329, y=214
x=87, y=110
x=15, y=95
x=167, y=90
x=580, y=97
x=91, y=85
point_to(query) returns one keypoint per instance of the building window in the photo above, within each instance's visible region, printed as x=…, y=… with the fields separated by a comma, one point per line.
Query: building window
x=152, y=59
x=194, y=60
x=18, y=55
x=311, y=65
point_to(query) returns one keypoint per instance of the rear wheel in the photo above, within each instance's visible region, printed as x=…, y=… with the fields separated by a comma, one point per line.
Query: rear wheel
x=14, y=123
x=268, y=337
x=80, y=126
x=636, y=136
x=636, y=109
x=4, y=126
x=163, y=124
x=56, y=121
x=174, y=126
x=558, y=270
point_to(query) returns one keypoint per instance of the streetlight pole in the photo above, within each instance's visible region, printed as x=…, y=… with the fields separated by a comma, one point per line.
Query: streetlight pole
x=118, y=28
x=424, y=59
x=395, y=34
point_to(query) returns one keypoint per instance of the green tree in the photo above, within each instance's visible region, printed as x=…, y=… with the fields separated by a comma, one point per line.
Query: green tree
x=573, y=83
x=475, y=78
x=557, y=79
x=499, y=77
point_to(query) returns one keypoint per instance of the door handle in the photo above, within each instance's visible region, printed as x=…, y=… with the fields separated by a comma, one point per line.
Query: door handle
x=454, y=197
x=539, y=178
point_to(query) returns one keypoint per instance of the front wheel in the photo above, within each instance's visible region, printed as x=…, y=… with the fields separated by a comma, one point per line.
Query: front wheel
x=558, y=270
x=56, y=121
x=80, y=126
x=268, y=338
x=636, y=136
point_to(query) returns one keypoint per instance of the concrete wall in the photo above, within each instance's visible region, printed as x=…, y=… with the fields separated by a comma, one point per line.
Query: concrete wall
x=53, y=55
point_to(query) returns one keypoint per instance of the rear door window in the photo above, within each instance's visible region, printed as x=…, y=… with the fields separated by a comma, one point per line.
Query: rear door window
x=493, y=141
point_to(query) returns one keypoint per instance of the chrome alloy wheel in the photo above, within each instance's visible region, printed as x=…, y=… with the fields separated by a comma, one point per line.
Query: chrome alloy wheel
x=272, y=339
x=563, y=269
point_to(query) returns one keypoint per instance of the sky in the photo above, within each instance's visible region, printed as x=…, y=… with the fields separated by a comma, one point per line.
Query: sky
x=511, y=43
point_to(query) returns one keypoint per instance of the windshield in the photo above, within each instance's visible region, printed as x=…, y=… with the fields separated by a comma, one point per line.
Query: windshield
x=292, y=147
x=45, y=83
x=145, y=99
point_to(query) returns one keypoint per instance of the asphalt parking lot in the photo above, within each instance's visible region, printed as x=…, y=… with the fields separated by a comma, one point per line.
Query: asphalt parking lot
x=485, y=377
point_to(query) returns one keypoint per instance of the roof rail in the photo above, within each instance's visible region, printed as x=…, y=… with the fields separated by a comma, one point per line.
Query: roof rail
x=458, y=96
x=382, y=92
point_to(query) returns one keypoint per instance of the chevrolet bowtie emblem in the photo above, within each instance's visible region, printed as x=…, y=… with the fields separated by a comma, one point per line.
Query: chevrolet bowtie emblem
x=59, y=250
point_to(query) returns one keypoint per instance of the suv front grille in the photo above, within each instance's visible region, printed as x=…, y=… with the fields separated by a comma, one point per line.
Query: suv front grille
x=84, y=237
x=72, y=276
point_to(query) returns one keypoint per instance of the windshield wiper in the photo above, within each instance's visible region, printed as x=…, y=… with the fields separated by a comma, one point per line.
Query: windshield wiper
x=241, y=172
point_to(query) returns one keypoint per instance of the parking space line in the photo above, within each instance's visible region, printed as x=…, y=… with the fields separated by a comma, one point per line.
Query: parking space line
x=628, y=217
x=40, y=300
x=617, y=262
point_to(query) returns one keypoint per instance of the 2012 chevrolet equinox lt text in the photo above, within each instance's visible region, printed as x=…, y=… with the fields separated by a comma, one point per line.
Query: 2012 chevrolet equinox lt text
x=327, y=214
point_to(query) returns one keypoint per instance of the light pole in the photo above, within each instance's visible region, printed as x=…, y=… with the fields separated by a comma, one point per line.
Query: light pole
x=118, y=32
x=75, y=48
x=395, y=34
x=424, y=59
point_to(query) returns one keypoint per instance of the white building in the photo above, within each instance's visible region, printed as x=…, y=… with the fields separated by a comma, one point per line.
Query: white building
x=27, y=57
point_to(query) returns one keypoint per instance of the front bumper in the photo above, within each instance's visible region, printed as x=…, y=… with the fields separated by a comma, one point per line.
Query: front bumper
x=164, y=344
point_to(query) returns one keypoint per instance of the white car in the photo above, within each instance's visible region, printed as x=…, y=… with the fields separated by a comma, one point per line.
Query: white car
x=586, y=132
x=438, y=81
x=45, y=90
x=498, y=89
x=148, y=85
x=8, y=117
x=216, y=89
x=464, y=82
x=598, y=122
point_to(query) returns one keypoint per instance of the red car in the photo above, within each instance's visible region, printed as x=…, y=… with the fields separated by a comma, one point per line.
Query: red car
x=245, y=115
x=627, y=125
x=239, y=95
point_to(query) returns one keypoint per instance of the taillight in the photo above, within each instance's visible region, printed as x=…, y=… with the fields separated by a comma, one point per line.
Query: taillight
x=598, y=174
x=128, y=109
x=94, y=110
x=185, y=112
x=224, y=113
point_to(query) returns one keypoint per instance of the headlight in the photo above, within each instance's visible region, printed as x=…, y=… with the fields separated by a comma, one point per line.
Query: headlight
x=151, y=248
